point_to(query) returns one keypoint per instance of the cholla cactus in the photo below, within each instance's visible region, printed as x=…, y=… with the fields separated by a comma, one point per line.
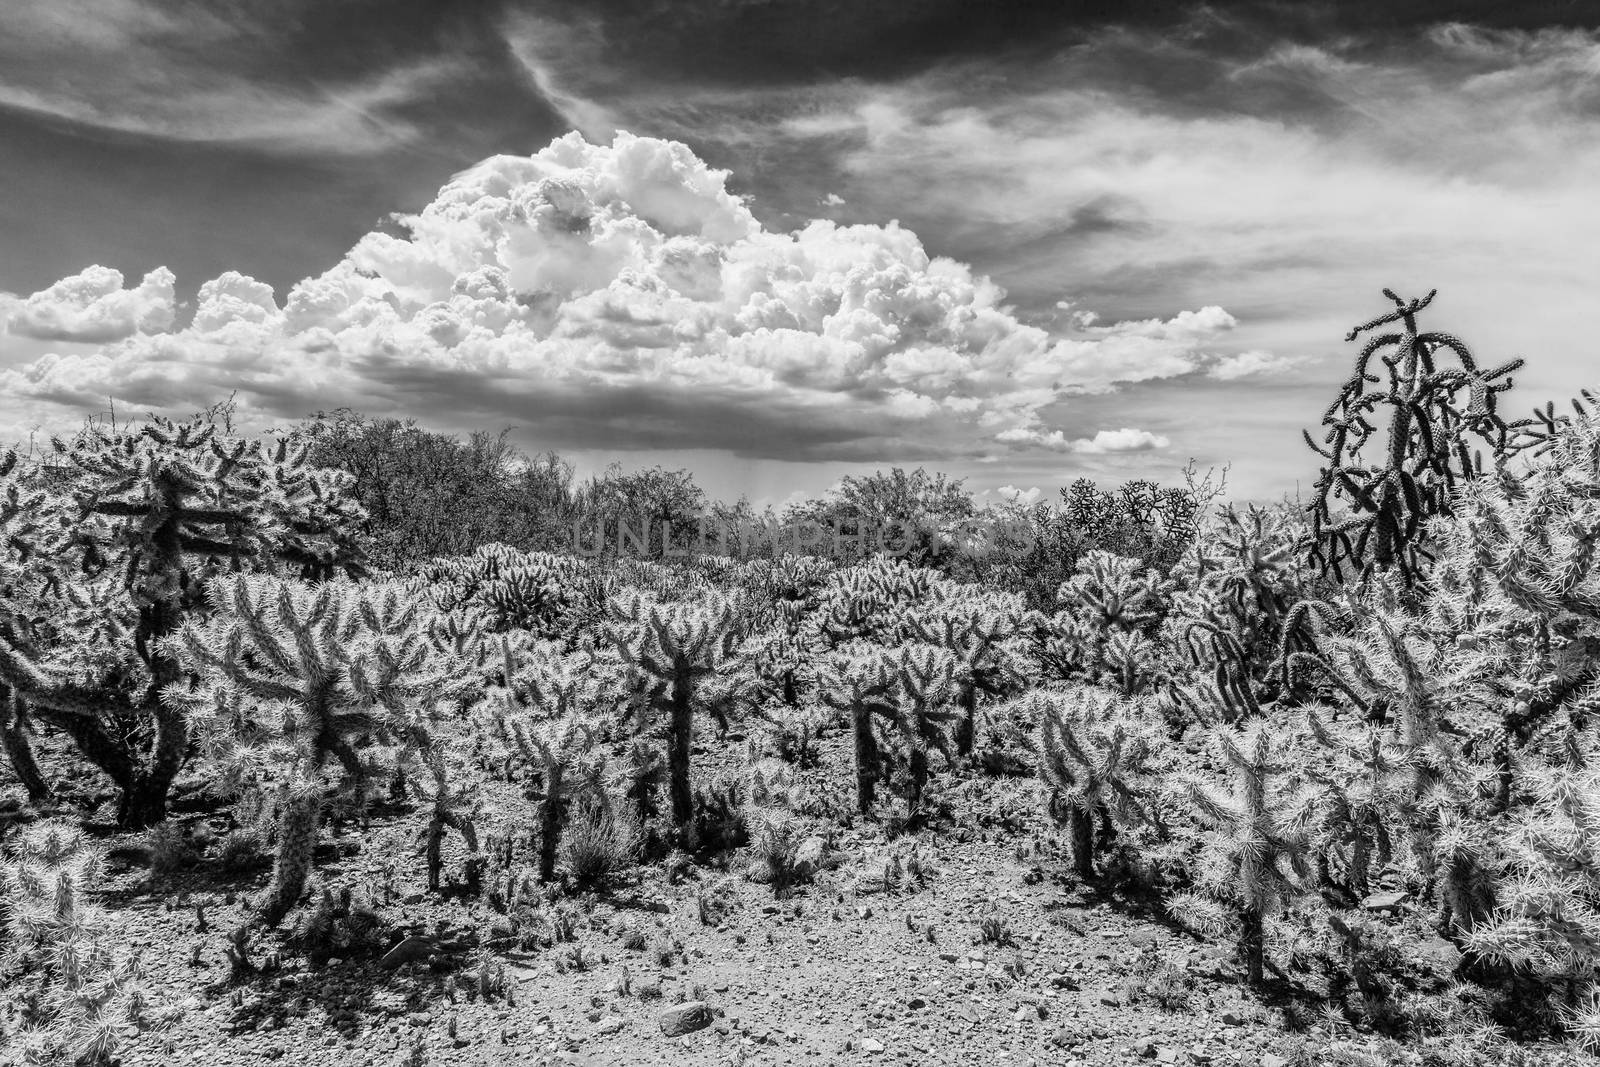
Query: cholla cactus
x=16, y=739
x=81, y=992
x=1354, y=798
x=1089, y=758
x=678, y=651
x=1253, y=858
x=156, y=511
x=561, y=751
x=296, y=676
x=924, y=685
x=445, y=787
x=1101, y=634
x=1427, y=454
x=641, y=774
x=862, y=685
x=1547, y=921
x=973, y=629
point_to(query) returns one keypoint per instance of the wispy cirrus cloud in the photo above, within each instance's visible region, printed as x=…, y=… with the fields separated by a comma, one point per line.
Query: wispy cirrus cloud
x=194, y=73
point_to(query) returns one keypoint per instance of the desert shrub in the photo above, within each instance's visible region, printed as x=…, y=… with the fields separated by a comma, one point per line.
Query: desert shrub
x=598, y=846
x=429, y=494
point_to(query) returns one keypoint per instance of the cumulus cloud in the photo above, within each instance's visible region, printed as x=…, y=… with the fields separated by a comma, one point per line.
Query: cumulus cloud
x=93, y=306
x=622, y=295
x=1012, y=495
x=1103, y=443
x=1247, y=363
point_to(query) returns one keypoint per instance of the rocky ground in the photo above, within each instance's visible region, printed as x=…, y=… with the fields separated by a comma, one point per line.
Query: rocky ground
x=977, y=948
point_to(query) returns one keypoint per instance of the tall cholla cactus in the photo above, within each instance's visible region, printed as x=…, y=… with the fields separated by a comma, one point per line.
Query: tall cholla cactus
x=1090, y=758
x=1254, y=856
x=924, y=685
x=554, y=738
x=319, y=669
x=973, y=630
x=83, y=992
x=446, y=788
x=160, y=509
x=862, y=684
x=1548, y=916
x=1355, y=795
x=678, y=651
x=1427, y=455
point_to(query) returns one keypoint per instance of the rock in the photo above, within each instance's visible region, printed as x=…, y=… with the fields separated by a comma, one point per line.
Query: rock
x=685, y=1018
x=1232, y=1018
x=611, y=1025
x=1145, y=1048
x=1166, y=1055
x=1440, y=952
x=1383, y=901
x=1272, y=1059
x=808, y=858
x=413, y=949
x=871, y=1044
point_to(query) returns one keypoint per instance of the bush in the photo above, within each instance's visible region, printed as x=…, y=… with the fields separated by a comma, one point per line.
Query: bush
x=597, y=846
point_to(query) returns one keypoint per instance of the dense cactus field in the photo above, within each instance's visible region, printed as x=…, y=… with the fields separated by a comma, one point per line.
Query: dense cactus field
x=1246, y=784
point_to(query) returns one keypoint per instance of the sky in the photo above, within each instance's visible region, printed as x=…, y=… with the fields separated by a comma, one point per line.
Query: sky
x=782, y=241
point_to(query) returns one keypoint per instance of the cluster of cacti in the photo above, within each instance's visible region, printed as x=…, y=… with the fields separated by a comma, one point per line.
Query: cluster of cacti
x=1102, y=633
x=975, y=631
x=70, y=992
x=868, y=600
x=148, y=516
x=536, y=592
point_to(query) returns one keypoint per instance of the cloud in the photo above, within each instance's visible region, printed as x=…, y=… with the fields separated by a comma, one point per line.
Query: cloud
x=93, y=306
x=1244, y=364
x=623, y=295
x=1012, y=495
x=1105, y=442
x=195, y=75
